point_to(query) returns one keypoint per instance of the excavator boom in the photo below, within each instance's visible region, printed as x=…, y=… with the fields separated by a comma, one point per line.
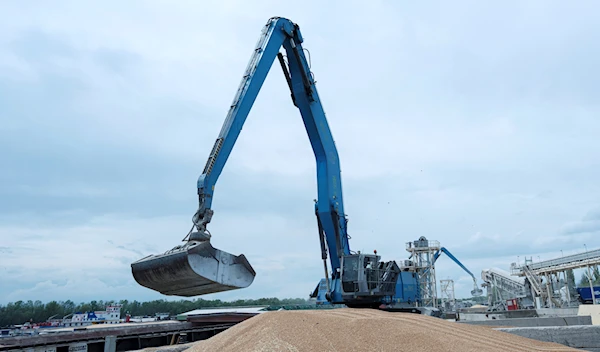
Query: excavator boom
x=197, y=268
x=476, y=291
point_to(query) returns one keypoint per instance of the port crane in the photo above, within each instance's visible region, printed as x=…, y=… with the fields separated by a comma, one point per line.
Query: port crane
x=196, y=267
x=476, y=291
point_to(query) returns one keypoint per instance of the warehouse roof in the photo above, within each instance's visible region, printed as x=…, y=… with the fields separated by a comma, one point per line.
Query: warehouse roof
x=221, y=315
x=225, y=310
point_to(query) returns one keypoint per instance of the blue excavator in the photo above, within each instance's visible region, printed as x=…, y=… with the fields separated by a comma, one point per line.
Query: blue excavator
x=406, y=296
x=476, y=291
x=196, y=267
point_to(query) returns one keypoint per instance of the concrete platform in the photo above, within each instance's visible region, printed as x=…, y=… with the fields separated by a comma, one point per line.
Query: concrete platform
x=466, y=315
x=591, y=310
x=585, y=337
x=534, y=322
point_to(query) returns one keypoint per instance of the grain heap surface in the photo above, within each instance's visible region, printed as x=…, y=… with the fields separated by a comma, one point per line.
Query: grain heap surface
x=363, y=330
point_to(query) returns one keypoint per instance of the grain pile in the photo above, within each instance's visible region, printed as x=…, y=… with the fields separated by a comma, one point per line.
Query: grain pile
x=363, y=330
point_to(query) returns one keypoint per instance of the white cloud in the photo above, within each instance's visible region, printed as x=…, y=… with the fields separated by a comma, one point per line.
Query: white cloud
x=96, y=256
x=588, y=225
x=473, y=124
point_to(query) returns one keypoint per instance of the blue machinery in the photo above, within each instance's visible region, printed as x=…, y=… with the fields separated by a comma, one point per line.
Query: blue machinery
x=407, y=294
x=476, y=291
x=195, y=268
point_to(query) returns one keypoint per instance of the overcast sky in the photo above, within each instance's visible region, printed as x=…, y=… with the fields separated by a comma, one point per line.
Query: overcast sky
x=472, y=124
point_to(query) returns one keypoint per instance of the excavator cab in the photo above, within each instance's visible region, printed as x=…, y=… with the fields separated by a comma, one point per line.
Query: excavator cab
x=195, y=268
x=365, y=279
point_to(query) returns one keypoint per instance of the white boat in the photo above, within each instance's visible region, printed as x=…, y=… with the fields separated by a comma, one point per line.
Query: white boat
x=111, y=315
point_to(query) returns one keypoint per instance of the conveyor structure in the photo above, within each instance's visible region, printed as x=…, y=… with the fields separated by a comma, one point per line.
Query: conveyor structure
x=421, y=260
x=423, y=255
x=501, y=286
x=545, y=276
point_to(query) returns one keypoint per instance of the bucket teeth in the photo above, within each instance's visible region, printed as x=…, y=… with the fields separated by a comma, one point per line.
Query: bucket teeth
x=194, y=269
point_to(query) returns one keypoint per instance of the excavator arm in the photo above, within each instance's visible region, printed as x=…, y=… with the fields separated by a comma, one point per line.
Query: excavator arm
x=197, y=268
x=280, y=32
x=476, y=290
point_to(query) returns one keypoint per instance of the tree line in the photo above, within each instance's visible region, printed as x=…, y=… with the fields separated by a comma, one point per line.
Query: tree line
x=594, y=276
x=23, y=311
x=19, y=312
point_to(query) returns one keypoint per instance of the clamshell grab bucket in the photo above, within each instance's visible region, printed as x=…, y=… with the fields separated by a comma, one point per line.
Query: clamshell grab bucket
x=196, y=268
x=476, y=292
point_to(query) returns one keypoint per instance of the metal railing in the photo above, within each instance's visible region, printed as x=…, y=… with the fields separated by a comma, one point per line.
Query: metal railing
x=424, y=245
x=374, y=281
x=573, y=261
x=533, y=280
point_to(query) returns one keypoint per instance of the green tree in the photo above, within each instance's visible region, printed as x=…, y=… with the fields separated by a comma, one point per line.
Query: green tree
x=595, y=276
x=20, y=312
